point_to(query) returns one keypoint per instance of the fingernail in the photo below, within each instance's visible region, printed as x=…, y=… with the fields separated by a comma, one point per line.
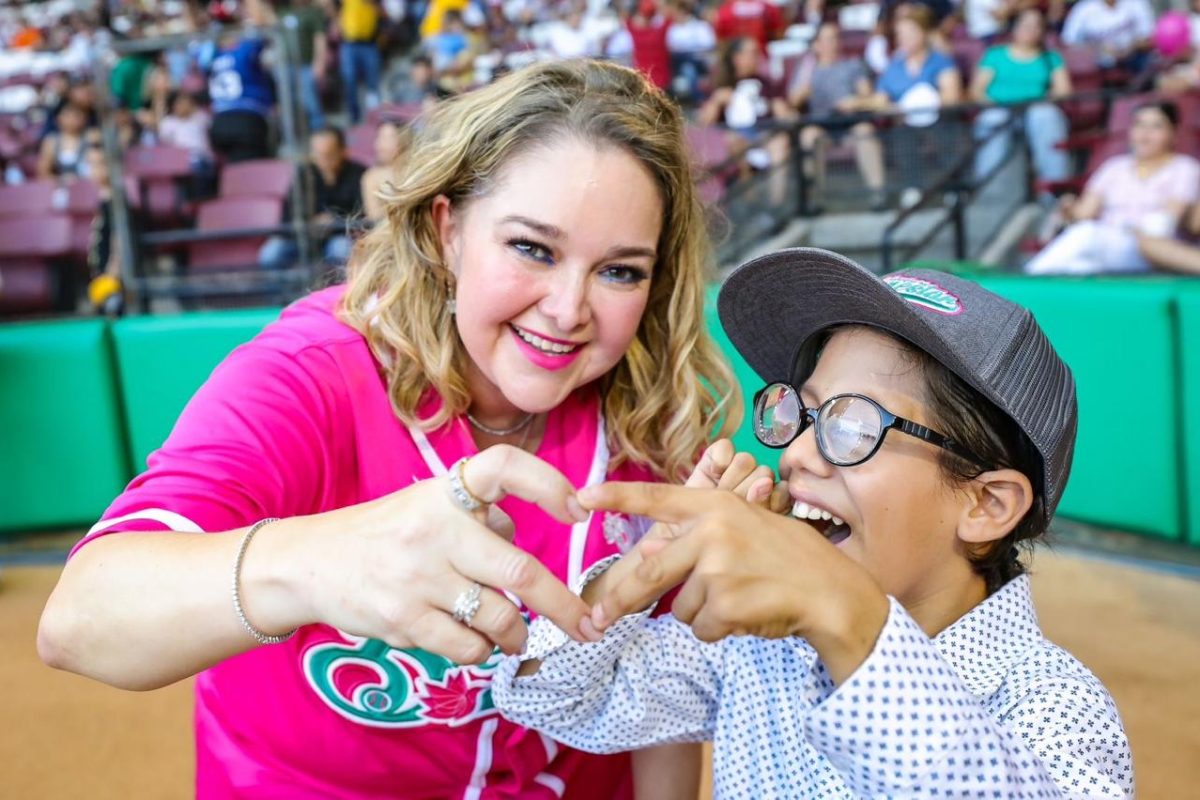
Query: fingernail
x=576, y=510
x=585, y=495
x=589, y=630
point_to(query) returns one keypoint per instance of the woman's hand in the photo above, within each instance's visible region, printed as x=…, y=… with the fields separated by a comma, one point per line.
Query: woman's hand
x=745, y=571
x=398, y=564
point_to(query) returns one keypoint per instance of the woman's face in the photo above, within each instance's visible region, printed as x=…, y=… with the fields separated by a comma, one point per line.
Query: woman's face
x=71, y=120
x=1152, y=134
x=553, y=268
x=910, y=37
x=746, y=59
x=901, y=513
x=826, y=45
x=1029, y=29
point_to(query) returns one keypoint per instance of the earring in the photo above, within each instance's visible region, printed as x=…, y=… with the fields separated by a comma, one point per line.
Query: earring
x=451, y=305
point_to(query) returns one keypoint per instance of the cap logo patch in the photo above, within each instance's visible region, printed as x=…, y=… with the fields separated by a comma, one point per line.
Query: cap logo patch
x=925, y=294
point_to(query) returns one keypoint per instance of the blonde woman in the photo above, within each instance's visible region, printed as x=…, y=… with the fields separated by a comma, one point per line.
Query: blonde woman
x=525, y=320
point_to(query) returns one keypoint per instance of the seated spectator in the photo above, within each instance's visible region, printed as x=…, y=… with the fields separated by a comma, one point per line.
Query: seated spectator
x=337, y=198
x=390, y=141
x=1118, y=30
x=568, y=39
x=445, y=47
x=748, y=103
x=420, y=84
x=1138, y=193
x=879, y=47
x=1170, y=253
x=760, y=20
x=1020, y=72
x=829, y=86
x=988, y=20
x=242, y=99
x=648, y=31
x=186, y=125
x=919, y=80
x=690, y=40
x=62, y=154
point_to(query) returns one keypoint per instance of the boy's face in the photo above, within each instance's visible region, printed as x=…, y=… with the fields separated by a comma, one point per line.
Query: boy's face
x=902, y=512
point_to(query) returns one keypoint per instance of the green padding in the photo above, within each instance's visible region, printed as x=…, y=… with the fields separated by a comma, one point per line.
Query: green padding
x=1118, y=336
x=163, y=361
x=749, y=382
x=1189, y=337
x=62, y=457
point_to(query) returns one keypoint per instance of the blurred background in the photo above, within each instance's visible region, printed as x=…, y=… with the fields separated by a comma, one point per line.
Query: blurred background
x=175, y=172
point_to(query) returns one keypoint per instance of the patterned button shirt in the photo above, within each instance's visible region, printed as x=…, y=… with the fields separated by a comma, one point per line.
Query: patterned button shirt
x=987, y=709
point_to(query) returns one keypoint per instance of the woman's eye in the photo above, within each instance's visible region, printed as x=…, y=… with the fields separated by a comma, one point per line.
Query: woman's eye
x=531, y=250
x=626, y=275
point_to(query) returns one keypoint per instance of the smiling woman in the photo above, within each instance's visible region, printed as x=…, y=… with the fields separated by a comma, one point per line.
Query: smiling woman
x=525, y=319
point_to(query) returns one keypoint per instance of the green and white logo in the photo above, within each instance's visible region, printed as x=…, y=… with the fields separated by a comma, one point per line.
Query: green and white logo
x=370, y=683
x=926, y=294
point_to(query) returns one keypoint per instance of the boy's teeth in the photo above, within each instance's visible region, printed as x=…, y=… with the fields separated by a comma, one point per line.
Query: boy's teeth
x=802, y=510
x=838, y=521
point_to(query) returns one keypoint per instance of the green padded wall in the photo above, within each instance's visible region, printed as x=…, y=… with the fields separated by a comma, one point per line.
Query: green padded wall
x=1118, y=336
x=162, y=361
x=62, y=452
x=749, y=382
x=1188, y=304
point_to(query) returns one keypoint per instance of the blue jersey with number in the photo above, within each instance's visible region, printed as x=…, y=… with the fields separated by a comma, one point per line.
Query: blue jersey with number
x=238, y=82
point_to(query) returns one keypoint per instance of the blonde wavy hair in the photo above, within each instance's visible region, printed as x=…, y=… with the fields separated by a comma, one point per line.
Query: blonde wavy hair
x=672, y=389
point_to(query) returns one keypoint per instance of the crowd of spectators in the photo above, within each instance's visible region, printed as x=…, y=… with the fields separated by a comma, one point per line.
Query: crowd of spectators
x=784, y=81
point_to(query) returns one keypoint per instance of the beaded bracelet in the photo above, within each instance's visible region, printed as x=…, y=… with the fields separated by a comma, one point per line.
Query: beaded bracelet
x=261, y=637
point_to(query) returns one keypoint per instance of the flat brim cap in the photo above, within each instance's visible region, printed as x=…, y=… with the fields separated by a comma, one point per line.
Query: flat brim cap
x=772, y=306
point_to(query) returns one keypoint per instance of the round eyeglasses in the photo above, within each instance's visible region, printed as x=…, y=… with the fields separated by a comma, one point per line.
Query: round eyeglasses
x=849, y=427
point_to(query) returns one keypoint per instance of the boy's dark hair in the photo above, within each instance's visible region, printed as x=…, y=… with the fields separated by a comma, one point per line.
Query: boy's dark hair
x=967, y=417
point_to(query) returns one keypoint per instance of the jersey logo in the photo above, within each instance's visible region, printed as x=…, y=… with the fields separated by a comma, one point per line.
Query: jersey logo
x=368, y=682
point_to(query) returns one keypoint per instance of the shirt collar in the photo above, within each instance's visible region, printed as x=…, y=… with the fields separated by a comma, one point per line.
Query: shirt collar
x=984, y=643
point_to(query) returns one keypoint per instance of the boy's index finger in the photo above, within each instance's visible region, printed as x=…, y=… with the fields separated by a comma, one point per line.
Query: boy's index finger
x=657, y=501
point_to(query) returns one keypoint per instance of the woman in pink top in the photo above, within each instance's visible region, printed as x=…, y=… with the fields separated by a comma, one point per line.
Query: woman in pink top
x=532, y=302
x=1141, y=193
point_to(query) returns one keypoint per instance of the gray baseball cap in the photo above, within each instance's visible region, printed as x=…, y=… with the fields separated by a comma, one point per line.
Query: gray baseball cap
x=772, y=306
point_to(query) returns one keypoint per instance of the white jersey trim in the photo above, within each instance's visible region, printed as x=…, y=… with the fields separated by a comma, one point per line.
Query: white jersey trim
x=173, y=521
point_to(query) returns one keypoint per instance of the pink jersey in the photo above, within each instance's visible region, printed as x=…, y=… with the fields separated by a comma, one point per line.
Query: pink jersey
x=297, y=422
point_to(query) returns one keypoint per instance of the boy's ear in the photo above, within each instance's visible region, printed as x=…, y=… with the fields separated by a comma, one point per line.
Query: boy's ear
x=999, y=500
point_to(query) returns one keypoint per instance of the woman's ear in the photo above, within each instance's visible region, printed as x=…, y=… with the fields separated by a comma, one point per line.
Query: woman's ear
x=445, y=225
x=998, y=501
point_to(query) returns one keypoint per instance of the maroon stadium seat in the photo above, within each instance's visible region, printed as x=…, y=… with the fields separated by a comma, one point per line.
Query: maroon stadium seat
x=360, y=143
x=27, y=199
x=259, y=178
x=232, y=213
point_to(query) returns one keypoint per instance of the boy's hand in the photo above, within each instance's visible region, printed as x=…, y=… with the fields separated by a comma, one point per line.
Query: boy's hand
x=721, y=467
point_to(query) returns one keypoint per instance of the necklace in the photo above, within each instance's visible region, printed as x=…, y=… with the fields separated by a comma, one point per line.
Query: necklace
x=479, y=426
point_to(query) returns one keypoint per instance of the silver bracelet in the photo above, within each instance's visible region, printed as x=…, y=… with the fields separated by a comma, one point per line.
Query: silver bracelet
x=261, y=637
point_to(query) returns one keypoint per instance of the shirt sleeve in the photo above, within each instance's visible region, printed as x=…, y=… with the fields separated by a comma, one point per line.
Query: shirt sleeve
x=905, y=725
x=1073, y=26
x=254, y=442
x=648, y=681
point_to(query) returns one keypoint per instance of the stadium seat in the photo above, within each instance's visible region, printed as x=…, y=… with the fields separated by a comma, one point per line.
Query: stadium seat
x=27, y=199
x=258, y=178
x=231, y=214
x=157, y=173
x=360, y=144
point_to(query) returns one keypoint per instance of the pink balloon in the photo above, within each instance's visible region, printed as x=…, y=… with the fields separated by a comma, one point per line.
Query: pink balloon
x=1172, y=34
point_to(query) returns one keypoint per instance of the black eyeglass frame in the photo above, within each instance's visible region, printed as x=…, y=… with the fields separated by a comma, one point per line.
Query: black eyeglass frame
x=810, y=417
